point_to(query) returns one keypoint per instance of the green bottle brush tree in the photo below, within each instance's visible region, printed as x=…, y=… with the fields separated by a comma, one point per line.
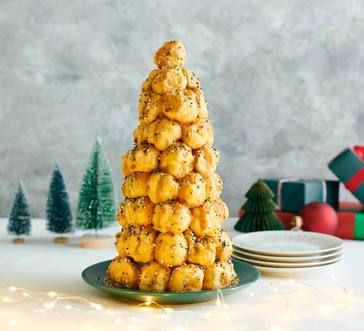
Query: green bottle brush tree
x=259, y=210
x=59, y=214
x=96, y=204
x=20, y=216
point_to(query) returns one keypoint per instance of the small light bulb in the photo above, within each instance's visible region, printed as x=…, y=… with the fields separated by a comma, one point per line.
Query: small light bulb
x=97, y=306
x=68, y=307
x=6, y=299
x=12, y=288
x=48, y=305
x=274, y=289
x=117, y=321
x=13, y=323
x=52, y=294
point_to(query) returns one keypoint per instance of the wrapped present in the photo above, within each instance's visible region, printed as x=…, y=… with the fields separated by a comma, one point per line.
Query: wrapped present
x=348, y=166
x=350, y=223
x=292, y=195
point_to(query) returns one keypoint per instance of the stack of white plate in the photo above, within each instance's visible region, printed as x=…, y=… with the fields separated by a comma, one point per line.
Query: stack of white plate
x=287, y=253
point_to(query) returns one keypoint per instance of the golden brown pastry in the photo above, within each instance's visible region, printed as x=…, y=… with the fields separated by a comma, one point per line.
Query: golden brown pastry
x=206, y=160
x=197, y=134
x=201, y=250
x=201, y=103
x=162, y=187
x=143, y=158
x=218, y=275
x=171, y=217
x=205, y=220
x=186, y=278
x=192, y=80
x=172, y=54
x=138, y=211
x=171, y=237
x=221, y=210
x=170, y=249
x=149, y=107
x=139, y=243
x=147, y=84
x=163, y=133
x=180, y=105
x=135, y=185
x=154, y=277
x=177, y=160
x=124, y=271
x=224, y=246
x=214, y=186
x=120, y=242
x=168, y=79
x=120, y=216
x=140, y=134
x=192, y=190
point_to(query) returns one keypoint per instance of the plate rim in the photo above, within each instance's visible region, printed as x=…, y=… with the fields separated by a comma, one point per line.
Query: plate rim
x=278, y=258
x=282, y=265
x=86, y=279
x=287, y=253
x=296, y=271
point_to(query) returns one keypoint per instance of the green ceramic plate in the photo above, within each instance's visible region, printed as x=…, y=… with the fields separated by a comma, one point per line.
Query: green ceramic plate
x=95, y=275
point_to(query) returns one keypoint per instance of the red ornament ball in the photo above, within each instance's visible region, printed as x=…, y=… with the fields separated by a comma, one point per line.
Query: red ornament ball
x=319, y=217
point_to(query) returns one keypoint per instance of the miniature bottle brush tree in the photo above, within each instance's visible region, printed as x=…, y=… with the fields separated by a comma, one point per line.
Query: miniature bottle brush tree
x=59, y=214
x=20, y=216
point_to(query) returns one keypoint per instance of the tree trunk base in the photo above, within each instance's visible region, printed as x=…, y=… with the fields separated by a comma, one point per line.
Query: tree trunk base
x=61, y=240
x=18, y=241
x=100, y=241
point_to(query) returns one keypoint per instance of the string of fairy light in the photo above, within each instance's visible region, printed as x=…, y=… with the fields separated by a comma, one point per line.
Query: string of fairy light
x=53, y=302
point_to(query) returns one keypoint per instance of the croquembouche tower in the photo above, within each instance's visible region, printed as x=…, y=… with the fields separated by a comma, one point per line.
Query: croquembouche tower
x=171, y=237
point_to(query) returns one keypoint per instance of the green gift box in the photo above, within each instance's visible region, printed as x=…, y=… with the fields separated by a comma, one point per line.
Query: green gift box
x=293, y=194
x=348, y=166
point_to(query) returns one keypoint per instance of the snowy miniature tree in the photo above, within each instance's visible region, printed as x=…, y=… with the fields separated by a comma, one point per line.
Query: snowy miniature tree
x=59, y=214
x=96, y=205
x=20, y=216
x=259, y=210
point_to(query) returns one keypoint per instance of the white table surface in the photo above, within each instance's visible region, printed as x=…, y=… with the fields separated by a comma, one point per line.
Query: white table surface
x=329, y=300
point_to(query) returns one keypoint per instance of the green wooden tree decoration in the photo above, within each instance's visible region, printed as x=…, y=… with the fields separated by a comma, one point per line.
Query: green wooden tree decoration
x=259, y=210
x=59, y=214
x=96, y=204
x=20, y=216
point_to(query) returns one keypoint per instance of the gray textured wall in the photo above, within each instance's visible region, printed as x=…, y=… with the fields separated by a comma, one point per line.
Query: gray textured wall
x=284, y=81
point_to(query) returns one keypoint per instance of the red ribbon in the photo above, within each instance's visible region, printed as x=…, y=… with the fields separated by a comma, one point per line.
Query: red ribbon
x=354, y=182
x=359, y=150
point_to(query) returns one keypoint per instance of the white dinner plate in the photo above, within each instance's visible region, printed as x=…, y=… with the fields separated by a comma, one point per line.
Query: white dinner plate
x=287, y=243
x=292, y=272
x=289, y=264
x=311, y=258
